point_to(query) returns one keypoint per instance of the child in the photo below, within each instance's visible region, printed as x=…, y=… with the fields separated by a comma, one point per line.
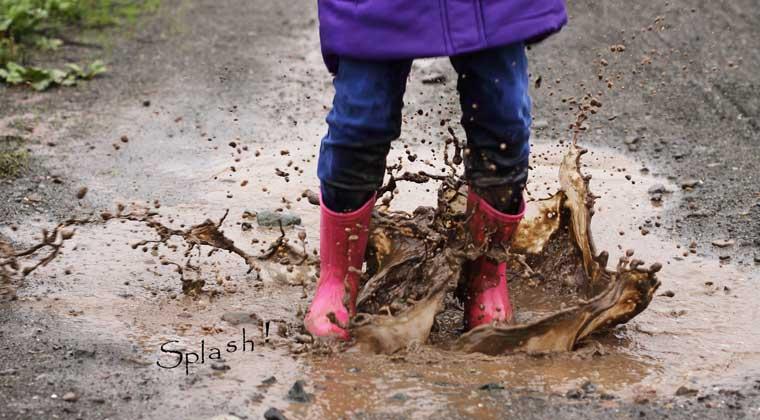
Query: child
x=369, y=46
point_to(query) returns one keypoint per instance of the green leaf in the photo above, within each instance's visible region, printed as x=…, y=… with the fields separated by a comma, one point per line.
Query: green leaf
x=41, y=84
x=96, y=67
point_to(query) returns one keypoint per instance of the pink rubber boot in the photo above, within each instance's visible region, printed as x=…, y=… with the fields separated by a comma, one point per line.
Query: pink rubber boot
x=343, y=241
x=487, y=298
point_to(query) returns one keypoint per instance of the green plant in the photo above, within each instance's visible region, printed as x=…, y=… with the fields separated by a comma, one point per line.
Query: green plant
x=27, y=25
x=13, y=156
x=40, y=79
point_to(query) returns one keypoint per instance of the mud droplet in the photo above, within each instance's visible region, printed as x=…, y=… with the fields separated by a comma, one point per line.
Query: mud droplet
x=81, y=193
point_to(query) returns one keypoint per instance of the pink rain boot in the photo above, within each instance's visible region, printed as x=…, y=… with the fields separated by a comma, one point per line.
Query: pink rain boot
x=343, y=241
x=487, y=298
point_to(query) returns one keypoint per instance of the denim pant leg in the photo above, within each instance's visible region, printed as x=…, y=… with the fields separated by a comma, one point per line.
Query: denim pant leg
x=365, y=118
x=493, y=92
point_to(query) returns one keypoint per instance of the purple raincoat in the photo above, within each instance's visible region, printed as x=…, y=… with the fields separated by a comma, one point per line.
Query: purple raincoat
x=395, y=29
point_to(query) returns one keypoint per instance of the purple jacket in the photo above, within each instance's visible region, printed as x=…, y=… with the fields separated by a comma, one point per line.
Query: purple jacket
x=394, y=29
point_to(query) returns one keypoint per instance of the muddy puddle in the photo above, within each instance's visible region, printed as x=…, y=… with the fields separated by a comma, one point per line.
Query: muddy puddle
x=102, y=285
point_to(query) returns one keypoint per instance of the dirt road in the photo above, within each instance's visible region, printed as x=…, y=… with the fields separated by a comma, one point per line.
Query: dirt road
x=206, y=100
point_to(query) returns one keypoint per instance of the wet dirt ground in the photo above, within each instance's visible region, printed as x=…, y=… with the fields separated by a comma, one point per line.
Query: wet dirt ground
x=238, y=90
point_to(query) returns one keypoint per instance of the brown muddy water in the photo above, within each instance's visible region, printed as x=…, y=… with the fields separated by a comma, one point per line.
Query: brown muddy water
x=700, y=329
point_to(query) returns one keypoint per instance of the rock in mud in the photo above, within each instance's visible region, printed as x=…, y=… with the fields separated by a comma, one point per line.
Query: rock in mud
x=657, y=189
x=297, y=393
x=589, y=387
x=268, y=218
x=311, y=196
x=493, y=386
x=274, y=414
x=434, y=79
x=81, y=193
x=574, y=394
x=399, y=396
x=238, y=318
x=688, y=184
x=684, y=391
x=723, y=243
x=220, y=366
x=269, y=381
x=70, y=397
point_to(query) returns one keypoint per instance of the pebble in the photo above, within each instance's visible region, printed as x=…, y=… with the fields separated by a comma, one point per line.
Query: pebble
x=220, y=366
x=574, y=394
x=225, y=417
x=237, y=318
x=400, y=396
x=723, y=243
x=274, y=414
x=311, y=196
x=657, y=189
x=494, y=386
x=269, y=381
x=70, y=397
x=757, y=259
x=589, y=387
x=540, y=124
x=434, y=79
x=684, y=391
x=81, y=193
x=268, y=218
x=689, y=183
x=297, y=393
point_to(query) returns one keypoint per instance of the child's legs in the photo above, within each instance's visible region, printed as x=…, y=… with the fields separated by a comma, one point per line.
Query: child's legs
x=365, y=118
x=493, y=92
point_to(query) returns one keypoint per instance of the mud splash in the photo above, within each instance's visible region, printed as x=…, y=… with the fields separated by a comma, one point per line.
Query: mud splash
x=415, y=260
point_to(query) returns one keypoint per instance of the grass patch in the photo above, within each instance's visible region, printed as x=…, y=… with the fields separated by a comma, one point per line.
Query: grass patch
x=13, y=156
x=30, y=27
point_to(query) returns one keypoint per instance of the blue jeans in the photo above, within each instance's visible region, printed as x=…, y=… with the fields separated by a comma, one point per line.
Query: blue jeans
x=366, y=118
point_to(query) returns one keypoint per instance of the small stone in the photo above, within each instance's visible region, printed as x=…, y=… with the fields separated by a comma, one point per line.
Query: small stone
x=683, y=391
x=81, y=193
x=297, y=393
x=668, y=293
x=304, y=338
x=268, y=381
x=574, y=394
x=146, y=103
x=724, y=257
x=268, y=218
x=493, y=386
x=400, y=396
x=220, y=366
x=311, y=196
x=434, y=79
x=657, y=189
x=723, y=243
x=689, y=183
x=588, y=387
x=237, y=318
x=274, y=414
x=540, y=124
x=70, y=397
